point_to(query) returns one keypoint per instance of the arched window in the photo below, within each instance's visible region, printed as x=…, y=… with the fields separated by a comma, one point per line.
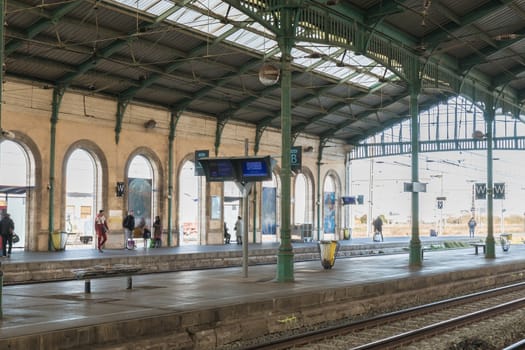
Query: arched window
x=302, y=208
x=233, y=203
x=81, y=199
x=269, y=210
x=189, y=205
x=14, y=185
x=140, y=190
x=329, y=208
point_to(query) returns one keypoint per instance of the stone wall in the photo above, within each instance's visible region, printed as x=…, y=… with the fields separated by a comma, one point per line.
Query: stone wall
x=88, y=121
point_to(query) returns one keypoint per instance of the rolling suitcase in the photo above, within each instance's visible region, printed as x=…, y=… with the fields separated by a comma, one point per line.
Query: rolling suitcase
x=130, y=244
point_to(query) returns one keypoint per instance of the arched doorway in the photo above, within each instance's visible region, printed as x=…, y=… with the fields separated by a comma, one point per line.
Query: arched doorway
x=302, y=208
x=15, y=186
x=140, y=190
x=83, y=179
x=329, y=207
x=190, y=211
x=233, y=203
x=270, y=210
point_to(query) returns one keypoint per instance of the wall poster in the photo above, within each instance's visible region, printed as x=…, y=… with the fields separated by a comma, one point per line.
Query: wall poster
x=269, y=213
x=329, y=212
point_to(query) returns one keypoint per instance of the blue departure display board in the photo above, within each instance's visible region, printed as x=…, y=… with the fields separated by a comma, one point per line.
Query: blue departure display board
x=220, y=170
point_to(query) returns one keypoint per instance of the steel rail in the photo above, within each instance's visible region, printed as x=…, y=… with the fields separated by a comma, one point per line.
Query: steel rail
x=411, y=336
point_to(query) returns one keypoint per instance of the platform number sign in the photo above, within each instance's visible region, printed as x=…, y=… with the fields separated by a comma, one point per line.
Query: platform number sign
x=296, y=154
x=499, y=190
x=199, y=171
x=481, y=190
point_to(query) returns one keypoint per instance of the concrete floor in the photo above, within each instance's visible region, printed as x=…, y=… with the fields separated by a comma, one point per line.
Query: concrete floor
x=43, y=307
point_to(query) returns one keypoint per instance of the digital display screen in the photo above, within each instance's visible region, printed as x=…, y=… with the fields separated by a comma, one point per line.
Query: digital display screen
x=348, y=200
x=256, y=169
x=220, y=170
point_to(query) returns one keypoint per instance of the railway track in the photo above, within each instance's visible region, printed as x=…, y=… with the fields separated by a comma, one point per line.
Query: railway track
x=418, y=324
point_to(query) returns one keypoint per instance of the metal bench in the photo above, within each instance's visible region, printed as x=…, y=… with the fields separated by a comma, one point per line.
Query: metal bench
x=476, y=247
x=100, y=271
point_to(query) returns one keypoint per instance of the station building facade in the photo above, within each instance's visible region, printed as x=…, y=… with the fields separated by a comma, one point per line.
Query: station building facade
x=59, y=185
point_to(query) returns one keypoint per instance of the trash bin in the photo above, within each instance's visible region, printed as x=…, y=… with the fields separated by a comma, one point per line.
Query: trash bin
x=347, y=233
x=327, y=252
x=59, y=240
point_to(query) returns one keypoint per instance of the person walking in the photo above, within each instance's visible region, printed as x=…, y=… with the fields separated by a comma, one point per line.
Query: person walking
x=227, y=235
x=129, y=225
x=239, y=229
x=7, y=229
x=101, y=228
x=471, y=227
x=157, y=232
x=378, y=229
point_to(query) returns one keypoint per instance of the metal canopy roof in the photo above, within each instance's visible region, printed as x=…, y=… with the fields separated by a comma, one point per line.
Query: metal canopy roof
x=205, y=56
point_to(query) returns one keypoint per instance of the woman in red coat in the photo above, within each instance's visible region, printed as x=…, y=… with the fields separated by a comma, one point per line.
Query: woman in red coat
x=101, y=227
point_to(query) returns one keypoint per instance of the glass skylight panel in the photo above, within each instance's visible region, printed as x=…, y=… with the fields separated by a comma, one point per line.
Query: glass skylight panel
x=195, y=15
x=189, y=17
x=248, y=39
x=130, y=3
x=364, y=80
x=360, y=60
x=144, y=5
x=223, y=9
x=160, y=7
x=252, y=40
x=332, y=69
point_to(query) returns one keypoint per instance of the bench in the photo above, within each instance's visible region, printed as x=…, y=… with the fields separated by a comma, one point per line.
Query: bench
x=86, y=239
x=100, y=271
x=476, y=247
x=452, y=245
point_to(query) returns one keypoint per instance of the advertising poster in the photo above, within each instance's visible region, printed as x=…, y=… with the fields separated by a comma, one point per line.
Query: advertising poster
x=139, y=199
x=268, y=210
x=329, y=212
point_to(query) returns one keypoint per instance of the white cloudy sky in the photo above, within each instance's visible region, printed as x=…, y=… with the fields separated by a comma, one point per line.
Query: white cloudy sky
x=458, y=169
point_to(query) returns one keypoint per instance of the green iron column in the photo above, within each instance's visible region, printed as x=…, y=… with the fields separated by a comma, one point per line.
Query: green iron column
x=415, y=242
x=285, y=39
x=171, y=138
x=489, y=114
x=58, y=93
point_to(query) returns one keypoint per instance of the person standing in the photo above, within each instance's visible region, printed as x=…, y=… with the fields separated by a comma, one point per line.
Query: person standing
x=227, y=235
x=471, y=227
x=101, y=228
x=129, y=225
x=7, y=228
x=157, y=232
x=239, y=229
x=378, y=229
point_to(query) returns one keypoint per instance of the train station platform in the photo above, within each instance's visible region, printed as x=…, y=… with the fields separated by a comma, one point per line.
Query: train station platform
x=220, y=308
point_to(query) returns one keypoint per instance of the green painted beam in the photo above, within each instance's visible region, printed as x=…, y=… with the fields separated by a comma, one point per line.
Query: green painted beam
x=116, y=46
x=389, y=123
x=508, y=76
x=433, y=39
x=94, y=61
x=42, y=24
x=194, y=53
x=377, y=12
x=480, y=56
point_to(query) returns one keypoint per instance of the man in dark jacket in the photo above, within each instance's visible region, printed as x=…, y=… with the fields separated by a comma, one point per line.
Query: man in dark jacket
x=378, y=229
x=7, y=228
x=128, y=224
